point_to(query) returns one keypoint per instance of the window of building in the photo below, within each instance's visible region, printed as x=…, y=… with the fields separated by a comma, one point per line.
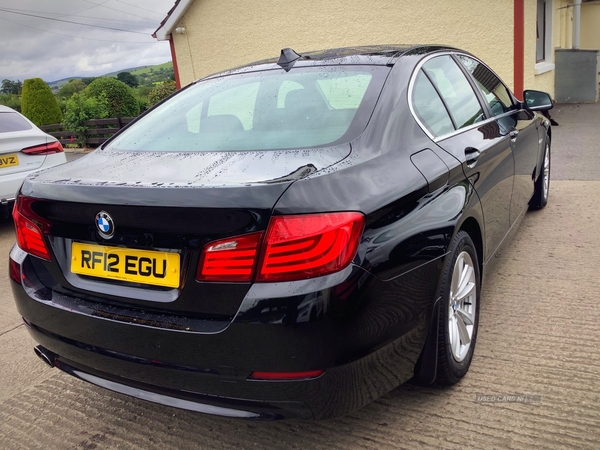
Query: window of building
x=543, y=33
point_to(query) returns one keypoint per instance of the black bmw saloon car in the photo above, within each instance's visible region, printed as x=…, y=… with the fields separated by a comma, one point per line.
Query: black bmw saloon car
x=292, y=238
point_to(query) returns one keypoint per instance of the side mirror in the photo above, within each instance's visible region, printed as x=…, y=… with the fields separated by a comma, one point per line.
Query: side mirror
x=537, y=100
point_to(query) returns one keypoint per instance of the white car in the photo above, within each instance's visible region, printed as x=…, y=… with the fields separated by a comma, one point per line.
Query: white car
x=24, y=148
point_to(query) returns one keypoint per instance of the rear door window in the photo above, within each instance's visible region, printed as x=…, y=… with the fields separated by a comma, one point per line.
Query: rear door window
x=429, y=107
x=492, y=89
x=456, y=91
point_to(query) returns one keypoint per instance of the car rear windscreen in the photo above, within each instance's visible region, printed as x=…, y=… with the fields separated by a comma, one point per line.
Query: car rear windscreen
x=10, y=121
x=267, y=110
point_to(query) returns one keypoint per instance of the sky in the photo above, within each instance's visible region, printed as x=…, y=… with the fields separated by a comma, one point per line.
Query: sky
x=54, y=39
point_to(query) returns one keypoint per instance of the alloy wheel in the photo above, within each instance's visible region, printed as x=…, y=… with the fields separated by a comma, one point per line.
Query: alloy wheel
x=462, y=306
x=546, y=171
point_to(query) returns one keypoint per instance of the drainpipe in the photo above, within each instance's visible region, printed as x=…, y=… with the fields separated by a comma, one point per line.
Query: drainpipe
x=519, y=47
x=576, y=23
x=174, y=59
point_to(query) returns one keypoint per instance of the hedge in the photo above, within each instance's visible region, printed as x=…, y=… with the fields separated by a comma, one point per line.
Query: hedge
x=38, y=103
x=115, y=94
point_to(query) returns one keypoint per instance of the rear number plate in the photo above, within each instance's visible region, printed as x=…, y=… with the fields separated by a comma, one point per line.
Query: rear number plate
x=126, y=264
x=8, y=161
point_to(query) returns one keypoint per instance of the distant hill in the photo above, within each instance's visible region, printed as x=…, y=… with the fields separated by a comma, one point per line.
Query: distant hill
x=138, y=71
x=58, y=83
x=148, y=69
x=131, y=69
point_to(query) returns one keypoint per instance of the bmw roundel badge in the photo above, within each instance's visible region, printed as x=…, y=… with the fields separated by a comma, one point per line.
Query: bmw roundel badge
x=105, y=225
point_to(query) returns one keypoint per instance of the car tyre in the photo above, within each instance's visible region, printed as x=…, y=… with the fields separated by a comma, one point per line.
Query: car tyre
x=459, y=289
x=542, y=184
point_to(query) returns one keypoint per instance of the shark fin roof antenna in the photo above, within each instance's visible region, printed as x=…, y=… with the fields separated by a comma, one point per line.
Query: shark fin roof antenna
x=287, y=59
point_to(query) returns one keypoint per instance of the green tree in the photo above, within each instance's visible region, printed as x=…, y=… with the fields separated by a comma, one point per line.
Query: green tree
x=70, y=88
x=128, y=78
x=88, y=80
x=116, y=95
x=79, y=109
x=38, y=103
x=160, y=92
x=11, y=87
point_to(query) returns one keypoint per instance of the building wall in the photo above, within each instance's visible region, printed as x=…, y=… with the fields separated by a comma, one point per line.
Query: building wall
x=590, y=26
x=560, y=15
x=224, y=34
x=566, y=24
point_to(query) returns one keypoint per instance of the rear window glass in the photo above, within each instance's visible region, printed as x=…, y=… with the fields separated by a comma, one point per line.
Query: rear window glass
x=269, y=110
x=10, y=121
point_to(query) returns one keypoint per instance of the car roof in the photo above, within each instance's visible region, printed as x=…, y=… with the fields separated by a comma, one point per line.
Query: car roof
x=362, y=55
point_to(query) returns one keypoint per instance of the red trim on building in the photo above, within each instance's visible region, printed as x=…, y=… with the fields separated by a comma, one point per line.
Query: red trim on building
x=519, y=48
x=174, y=58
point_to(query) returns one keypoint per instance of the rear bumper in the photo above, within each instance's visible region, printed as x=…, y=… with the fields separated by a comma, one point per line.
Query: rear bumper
x=224, y=391
x=367, y=345
x=11, y=183
x=338, y=391
x=174, y=397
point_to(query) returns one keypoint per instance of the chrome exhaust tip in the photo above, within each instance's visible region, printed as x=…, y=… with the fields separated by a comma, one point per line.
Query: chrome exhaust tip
x=45, y=355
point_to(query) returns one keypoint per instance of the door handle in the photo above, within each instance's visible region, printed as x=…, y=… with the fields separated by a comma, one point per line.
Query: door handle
x=472, y=154
x=513, y=134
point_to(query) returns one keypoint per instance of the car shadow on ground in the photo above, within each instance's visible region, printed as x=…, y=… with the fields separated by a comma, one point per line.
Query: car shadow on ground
x=6, y=226
x=370, y=427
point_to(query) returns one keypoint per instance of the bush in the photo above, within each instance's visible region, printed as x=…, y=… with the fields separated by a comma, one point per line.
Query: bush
x=79, y=109
x=11, y=100
x=38, y=103
x=72, y=87
x=161, y=92
x=142, y=103
x=116, y=96
x=143, y=91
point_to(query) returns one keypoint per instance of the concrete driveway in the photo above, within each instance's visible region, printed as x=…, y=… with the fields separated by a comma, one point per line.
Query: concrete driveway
x=534, y=381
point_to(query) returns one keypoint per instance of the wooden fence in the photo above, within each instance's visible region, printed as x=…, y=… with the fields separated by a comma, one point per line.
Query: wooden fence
x=98, y=130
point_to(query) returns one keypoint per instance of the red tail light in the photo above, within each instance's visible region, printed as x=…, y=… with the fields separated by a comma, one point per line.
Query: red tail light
x=307, y=246
x=29, y=227
x=294, y=248
x=44, y=149
x=285, y=375
x=231, y=259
